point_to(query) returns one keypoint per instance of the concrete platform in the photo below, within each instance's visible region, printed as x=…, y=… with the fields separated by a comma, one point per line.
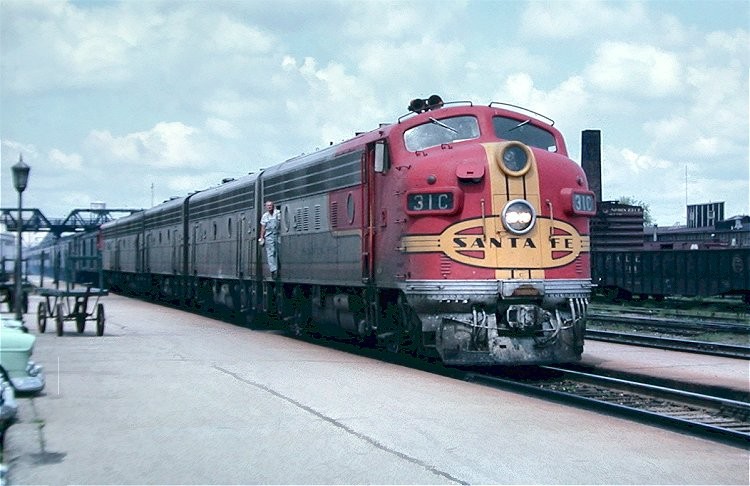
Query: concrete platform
x=167, y=397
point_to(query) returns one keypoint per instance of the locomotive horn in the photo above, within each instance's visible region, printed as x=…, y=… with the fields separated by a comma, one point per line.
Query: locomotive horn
x=434, y=102
x=417, y=105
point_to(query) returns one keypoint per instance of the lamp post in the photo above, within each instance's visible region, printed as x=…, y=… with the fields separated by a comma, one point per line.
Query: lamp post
x=20, y=179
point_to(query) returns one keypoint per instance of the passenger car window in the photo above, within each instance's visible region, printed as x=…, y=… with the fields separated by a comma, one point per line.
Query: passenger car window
x=524, y=132
x=445, y=130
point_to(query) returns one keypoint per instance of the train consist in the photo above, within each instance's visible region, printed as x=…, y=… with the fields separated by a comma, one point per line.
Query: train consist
x=459, y=231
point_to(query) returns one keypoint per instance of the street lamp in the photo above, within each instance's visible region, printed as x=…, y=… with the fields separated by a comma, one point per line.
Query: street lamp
x=20, y=180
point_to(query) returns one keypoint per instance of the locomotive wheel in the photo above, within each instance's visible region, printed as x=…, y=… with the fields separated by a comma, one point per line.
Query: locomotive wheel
x=100, y=320
x=59, y=319
x=412, y=326
x=248, y=318
x=41, y=317
x=80, y=323
x=301, y=313
x=400, y=331
x=391, y=330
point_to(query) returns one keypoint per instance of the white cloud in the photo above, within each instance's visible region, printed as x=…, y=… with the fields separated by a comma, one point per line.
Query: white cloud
x=71, y=46
x=75, y=46
x=316, y=92
x=637, y=163
x=12, y=149
x=397, y=20
x=222, y=128
x=332, y=81
x=417, y=61
x=75, y=199
x=560, y=103
x=710, y=123
x=647, y=178
x=124, y=148
x=233, y=36
x=673, y=31
x=636, y=69
x=166, y=145
x=734, y=42
x=390, y=24
x=570, y=19
x=668, y=130
x=186, y=183
x=226, y=103
x=705, y=146
x=65, y=161
x=288, y=63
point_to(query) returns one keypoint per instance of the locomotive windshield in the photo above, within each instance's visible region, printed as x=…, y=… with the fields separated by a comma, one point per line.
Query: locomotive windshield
x=436, y=132
x=524, y=132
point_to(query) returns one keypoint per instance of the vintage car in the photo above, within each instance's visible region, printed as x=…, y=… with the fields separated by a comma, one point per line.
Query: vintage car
x=17, y=372
x=8, y=406
x=16, y=346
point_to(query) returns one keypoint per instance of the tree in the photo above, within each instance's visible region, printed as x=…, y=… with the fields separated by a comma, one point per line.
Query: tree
x=648, y=220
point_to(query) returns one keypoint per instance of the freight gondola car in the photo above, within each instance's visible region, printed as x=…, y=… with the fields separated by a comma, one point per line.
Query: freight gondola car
x=623, y=274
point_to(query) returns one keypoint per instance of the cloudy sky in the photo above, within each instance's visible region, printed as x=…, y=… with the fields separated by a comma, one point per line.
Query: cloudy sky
x=135, y=101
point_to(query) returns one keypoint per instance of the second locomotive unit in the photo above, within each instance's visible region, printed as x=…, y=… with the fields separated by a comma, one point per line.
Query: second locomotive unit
x=460, y=231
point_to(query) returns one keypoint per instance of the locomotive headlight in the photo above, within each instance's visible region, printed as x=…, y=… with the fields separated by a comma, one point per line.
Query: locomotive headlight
x=519, y=216
x=514, y=159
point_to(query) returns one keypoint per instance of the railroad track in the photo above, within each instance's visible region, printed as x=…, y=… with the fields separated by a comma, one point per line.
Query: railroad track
x=683, y=323
x=672, y=344
x=728, y=337
x=711, y=417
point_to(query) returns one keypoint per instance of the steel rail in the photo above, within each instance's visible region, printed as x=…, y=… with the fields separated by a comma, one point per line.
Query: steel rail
x=673, y=344
x=711, y=417
x=688, y=322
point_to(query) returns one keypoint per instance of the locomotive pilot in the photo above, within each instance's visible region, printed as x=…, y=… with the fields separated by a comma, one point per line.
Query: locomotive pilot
x=270, y=225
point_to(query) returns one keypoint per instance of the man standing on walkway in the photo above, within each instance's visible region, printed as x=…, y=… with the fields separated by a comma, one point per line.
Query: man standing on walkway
x=270, y=226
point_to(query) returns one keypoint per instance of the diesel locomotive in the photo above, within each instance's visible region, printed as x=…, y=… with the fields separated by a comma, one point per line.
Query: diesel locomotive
x=458, y=231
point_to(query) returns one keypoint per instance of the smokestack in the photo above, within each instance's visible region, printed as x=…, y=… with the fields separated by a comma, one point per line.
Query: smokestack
x=591, y=160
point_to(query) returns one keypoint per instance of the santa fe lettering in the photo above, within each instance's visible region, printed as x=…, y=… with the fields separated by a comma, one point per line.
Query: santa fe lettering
x=479, y=242
x=561, y=243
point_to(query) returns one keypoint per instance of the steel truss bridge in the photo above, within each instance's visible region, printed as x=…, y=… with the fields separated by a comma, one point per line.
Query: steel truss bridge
x=77, y=220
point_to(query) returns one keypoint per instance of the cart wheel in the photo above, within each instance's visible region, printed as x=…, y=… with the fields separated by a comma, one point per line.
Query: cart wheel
x=100, y=320
x=41, y=317
x=80, y=324
x=59, y=319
